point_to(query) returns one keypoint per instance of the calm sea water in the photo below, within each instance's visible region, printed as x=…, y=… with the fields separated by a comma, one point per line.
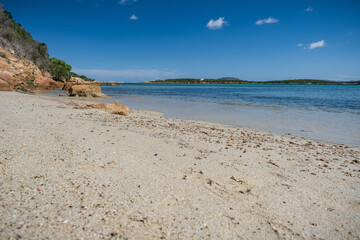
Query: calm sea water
x=332, y=98
x=325, y=112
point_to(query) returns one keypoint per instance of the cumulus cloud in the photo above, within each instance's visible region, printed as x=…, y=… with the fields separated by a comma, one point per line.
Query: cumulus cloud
x=133, y=17
x=266, y=21
x=127, y=2
x=318, y=44
x=300, y=44
x=309, y=9
x=216, y=24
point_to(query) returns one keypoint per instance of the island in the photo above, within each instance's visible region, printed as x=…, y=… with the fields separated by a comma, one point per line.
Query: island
x=233, y=80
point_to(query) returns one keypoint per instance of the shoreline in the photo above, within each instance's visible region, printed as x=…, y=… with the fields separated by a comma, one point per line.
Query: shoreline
x=315, y=125
x=71, y=173
x=155, y=105
x=301, y=111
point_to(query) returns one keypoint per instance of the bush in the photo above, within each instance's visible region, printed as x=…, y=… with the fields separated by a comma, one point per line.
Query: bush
x=59, y=69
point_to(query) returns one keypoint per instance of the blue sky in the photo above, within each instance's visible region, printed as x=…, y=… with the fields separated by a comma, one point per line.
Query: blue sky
x=140, y=40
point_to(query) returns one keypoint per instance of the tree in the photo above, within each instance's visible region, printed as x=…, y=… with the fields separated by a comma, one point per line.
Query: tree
x=59, y=69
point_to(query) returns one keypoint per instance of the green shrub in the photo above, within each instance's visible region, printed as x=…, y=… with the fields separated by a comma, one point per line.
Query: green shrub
x=59, y=69
x=30, y=82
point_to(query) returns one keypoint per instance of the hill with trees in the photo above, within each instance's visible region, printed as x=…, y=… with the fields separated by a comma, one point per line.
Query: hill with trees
x=200, y=81
x=231, y=80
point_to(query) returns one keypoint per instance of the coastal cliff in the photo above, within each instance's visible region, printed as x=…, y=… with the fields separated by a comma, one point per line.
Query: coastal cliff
x=25, y=64
x=16, y=73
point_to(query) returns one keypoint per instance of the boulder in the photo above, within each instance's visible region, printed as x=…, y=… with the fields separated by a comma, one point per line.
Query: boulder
x=113, y=108
x=75, y=81
x=86, y=90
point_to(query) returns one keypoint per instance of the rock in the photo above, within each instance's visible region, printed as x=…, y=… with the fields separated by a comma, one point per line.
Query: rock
x=113, y=108
x=18, y=73
x=77, y=80
x=5, y=85
x=67, y=86
x=24, y=90
x=86, y=90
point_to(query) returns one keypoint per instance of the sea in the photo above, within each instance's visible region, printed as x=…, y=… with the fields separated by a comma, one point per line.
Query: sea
x=328, y=113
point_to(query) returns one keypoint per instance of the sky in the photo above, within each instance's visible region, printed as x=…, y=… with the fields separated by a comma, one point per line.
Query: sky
x=142, y=40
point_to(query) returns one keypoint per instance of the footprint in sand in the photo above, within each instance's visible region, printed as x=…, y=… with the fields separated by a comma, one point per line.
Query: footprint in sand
x=224, y=186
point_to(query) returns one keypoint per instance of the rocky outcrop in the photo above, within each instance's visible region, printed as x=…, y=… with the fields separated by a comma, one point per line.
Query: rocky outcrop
x=86, y=90
x=75, y=81
x=113, y=108
x=18, y=73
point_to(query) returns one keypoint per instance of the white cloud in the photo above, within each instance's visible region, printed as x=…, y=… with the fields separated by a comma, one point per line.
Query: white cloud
x=144, y=74
x=216, y=24
x=266, y=20
x=318, y=44
x=133, y=17
x=300, y=44
x=309, y=9
x=127, y=2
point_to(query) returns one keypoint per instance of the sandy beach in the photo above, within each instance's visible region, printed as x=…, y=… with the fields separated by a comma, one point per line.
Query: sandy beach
x=85, y=174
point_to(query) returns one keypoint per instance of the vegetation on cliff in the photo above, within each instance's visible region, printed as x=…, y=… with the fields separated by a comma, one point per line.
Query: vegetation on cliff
x=59, y=69
x=72, y=74
x=15, y=39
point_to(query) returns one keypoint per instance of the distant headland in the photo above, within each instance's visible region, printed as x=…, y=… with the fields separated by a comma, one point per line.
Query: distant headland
x=233, y=80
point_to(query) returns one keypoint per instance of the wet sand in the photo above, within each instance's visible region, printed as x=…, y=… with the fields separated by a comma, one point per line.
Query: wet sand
x=85, y=174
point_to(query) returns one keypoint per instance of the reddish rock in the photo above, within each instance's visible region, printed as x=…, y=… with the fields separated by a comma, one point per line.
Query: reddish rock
x=86, y=90
x=113, y=108
x=77, y=80
x=5, y=86
x=16, y=73
x=67, y=86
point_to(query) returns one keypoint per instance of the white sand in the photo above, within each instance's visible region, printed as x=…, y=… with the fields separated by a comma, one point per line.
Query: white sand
x=85, y=174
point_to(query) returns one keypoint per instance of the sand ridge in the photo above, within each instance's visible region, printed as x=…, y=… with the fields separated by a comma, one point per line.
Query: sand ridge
x=86, y=174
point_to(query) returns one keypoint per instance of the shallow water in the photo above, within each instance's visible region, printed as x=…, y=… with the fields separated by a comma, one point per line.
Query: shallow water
x=325, y=112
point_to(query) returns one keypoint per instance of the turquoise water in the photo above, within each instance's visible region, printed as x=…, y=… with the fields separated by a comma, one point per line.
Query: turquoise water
x=333, y=98
x=325, y=112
